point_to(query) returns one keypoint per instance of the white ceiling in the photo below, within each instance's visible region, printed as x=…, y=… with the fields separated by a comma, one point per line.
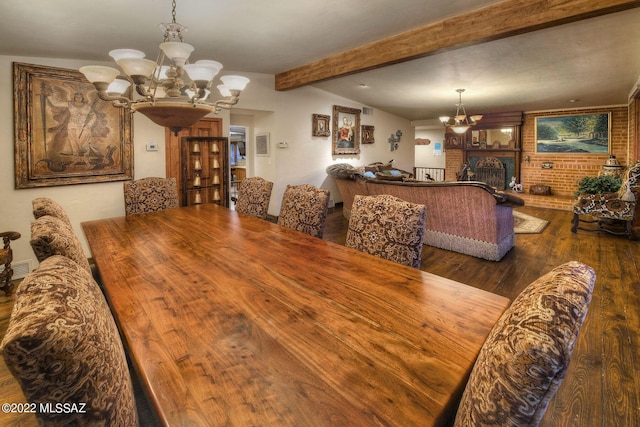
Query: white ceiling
x=594, y=62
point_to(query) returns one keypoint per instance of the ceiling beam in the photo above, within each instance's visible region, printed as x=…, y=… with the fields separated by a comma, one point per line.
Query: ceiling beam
x=497, y=21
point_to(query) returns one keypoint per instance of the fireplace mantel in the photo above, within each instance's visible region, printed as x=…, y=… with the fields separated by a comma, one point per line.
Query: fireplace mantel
x=496, y=135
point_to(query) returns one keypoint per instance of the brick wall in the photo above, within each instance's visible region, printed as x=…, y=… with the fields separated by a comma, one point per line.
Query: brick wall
x=634, y=126
x=454, y=164
x=568, y=169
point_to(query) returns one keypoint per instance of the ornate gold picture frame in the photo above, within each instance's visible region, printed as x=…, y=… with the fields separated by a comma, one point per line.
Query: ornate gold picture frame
x=367, y=134
x=65, y=134
x=346, y=130
x=321, y=123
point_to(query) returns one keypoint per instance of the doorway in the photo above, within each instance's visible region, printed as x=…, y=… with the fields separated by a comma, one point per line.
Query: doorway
x=237, y=158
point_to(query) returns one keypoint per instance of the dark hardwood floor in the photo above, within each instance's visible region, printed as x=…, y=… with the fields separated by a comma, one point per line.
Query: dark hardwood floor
x=602, y=386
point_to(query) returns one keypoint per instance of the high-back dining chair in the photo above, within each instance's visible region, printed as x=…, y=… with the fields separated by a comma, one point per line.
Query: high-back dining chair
x=6, y=257
x=63, y=347
x=45, y=206
x=253, y=197
x=304, y=208
x=526, y=355
x=388, y=227
x=149, y=195
x=52, y=236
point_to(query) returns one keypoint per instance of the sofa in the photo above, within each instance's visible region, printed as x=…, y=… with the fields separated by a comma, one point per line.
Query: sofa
x=465, y=216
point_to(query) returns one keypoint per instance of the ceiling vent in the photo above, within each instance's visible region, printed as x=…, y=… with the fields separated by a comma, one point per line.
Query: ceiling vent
x=367, y=111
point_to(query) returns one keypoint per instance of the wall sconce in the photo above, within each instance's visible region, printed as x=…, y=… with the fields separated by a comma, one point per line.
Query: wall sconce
x=527, y=160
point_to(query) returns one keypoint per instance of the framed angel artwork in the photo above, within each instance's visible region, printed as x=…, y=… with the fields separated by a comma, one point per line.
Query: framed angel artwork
x=64, y=133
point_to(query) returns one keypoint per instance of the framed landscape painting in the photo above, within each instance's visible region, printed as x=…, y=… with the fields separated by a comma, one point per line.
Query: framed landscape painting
x=574, y=134
x=65, y=134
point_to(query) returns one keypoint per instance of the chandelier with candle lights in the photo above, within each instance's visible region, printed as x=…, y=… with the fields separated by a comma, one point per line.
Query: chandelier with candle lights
x=461, y=122
x=164, y=94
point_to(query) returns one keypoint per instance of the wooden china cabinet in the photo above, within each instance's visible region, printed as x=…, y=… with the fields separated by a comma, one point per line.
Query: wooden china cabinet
x=197, y=157
x=497, y=135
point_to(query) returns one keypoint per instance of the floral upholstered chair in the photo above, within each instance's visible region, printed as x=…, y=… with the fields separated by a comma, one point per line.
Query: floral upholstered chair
x=6, y=256
x=253, y=198
x=63, y=347
x=304, y=208
x=526, y=355
x=150, y=195
x=52, y=236
x=608, y=209
x=388, y=227
x=44, y=206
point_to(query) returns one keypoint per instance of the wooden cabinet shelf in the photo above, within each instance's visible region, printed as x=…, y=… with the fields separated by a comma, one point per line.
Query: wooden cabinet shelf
x=197, y=157
x=204, y=167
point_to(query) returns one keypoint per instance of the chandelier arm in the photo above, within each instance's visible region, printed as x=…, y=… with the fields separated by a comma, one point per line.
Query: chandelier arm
x=118, y=101
x=142, y=91
x=226, y=103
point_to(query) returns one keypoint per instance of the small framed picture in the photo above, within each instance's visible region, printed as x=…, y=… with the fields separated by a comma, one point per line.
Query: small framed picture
x=262, y=145
x=321, y=125
x=367, y=134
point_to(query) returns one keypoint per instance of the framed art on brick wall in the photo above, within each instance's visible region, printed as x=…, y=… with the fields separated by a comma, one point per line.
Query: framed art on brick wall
x=573, y=134
x=65, y=134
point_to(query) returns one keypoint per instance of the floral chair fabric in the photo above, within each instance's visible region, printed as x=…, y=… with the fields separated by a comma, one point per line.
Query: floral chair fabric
x=6, y=257
x=44, y=206
x=388, y=227
x=304, y=208
x=526, y=355
x=52, y=236
x=254, y=195
x=63, y=347
x=620, y=206
x=150, y=195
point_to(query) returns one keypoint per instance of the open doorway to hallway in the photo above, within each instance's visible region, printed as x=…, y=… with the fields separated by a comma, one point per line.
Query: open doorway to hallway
x=237, y=158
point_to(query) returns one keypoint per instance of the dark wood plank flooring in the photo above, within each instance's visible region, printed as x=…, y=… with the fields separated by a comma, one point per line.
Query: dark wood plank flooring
x=602, y=387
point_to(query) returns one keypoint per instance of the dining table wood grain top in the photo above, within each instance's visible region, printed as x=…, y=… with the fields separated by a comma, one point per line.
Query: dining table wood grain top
x=230, y=320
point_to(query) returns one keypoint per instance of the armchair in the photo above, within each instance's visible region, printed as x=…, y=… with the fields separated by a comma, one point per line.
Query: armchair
x=613, y=213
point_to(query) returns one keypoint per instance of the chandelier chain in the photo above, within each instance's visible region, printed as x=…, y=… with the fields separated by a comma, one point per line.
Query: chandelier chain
x=173, y=11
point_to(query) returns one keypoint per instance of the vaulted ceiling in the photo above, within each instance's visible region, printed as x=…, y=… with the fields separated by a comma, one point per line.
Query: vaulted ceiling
x=508, y=55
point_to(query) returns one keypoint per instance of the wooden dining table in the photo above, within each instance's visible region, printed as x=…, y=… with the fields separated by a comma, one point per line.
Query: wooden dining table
x=232, y=320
